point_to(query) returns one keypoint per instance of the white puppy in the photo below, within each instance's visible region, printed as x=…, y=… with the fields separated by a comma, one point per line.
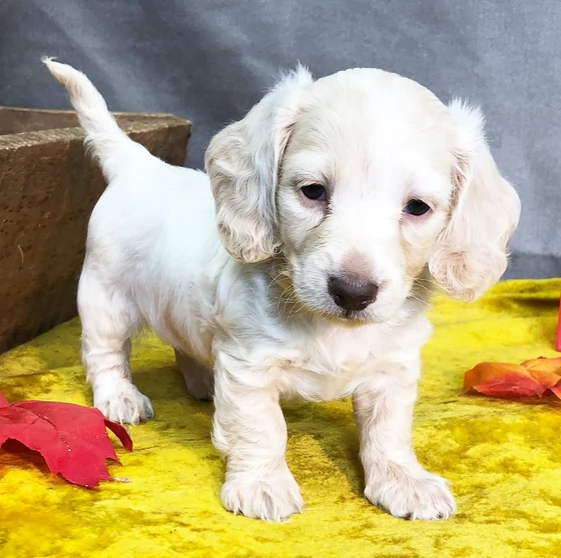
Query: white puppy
x=339, y=202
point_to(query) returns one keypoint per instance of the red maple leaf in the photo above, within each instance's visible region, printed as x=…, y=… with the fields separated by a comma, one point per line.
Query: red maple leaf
x=71, y=438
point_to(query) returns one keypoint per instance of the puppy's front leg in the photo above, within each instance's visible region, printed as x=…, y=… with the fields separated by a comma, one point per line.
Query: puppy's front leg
x=394, y=478
x=250, y=431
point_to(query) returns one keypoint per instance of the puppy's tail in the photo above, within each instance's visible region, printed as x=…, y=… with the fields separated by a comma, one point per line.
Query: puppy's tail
x=109, y=144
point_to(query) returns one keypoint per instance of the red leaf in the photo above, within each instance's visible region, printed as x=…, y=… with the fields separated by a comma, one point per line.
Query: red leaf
x=71, y=438
x=531, y=378
x=120, y=432
x=511, y=386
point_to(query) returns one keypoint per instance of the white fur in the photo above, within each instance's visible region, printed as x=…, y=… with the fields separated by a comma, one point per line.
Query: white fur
x=245, y=304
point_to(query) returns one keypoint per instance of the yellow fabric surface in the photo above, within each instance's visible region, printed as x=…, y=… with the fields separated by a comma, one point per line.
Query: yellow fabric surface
x=503, y=458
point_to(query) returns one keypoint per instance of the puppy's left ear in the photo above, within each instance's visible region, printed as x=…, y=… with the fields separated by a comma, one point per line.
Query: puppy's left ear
x=471, y=254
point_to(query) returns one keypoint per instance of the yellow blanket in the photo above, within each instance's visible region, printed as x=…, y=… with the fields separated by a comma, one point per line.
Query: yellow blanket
x=503, y=458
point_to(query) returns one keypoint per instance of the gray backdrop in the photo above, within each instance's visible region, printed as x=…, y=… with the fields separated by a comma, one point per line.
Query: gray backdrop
x=210, y=60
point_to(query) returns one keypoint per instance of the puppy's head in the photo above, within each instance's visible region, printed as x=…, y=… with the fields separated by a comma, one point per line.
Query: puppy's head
x=363, y=180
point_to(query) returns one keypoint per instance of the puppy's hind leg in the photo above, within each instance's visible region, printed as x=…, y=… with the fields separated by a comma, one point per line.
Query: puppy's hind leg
x=198, y=379
x=108, y=322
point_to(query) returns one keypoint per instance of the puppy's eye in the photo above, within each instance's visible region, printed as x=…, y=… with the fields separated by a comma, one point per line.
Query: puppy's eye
x=314, y=192
x=416, y=208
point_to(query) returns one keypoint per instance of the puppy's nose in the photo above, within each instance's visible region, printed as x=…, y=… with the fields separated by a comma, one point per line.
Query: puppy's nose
x=351, y=296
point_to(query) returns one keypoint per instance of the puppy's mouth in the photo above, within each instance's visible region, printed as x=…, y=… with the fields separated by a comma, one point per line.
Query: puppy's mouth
x=351, y=315
x=342, y=317
x=372, y=314
x=354, y=317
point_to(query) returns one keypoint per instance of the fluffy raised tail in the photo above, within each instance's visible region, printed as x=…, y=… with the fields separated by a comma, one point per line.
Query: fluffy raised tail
x=108, y=143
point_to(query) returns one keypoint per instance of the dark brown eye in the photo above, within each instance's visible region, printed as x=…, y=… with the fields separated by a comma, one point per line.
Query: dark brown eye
x=314, y=192
x=416, y=208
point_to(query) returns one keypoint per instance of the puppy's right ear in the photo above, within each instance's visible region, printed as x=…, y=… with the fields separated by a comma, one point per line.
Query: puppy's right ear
x=243, y=164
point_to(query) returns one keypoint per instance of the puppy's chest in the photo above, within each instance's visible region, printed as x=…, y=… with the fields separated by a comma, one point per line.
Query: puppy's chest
x=330, y=369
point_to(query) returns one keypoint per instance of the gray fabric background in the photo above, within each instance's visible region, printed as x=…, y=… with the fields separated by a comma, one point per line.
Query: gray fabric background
x=210, y=60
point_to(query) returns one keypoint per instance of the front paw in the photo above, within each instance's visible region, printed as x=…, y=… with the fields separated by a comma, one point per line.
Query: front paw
x=123, y=403
x=273, y=497
x=419, y=495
